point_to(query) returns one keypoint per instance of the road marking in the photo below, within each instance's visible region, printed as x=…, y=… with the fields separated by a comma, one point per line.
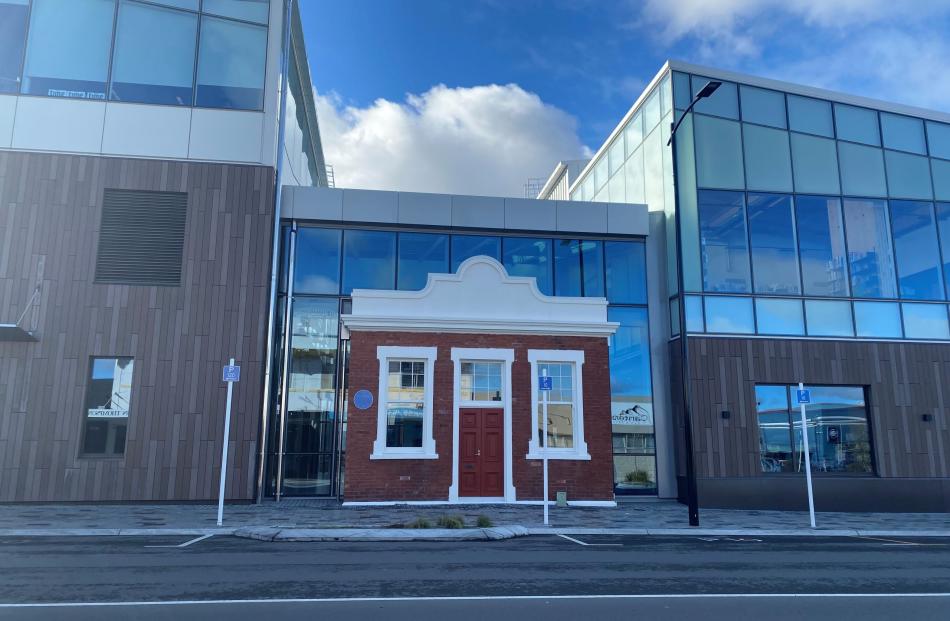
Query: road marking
x=734, y=539
x=462, y=598
x=186, y=544
x=578, y=541
x=898, y=542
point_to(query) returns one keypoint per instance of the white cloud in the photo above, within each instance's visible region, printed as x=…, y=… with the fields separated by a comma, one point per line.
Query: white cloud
x=479, y=140
x=880, y=48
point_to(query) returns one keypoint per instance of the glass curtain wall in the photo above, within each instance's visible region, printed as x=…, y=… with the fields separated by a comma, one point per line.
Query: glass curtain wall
x=331, y=262
x=167, y=52
x=809, y=217
x=635, y=166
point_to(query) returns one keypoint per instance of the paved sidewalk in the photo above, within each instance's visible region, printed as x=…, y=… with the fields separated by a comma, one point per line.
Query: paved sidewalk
x=647, y=516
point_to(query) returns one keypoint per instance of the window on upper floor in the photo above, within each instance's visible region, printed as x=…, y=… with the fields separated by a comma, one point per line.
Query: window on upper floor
x=14, y=15
x=725, y=243
x=154, y=57
x=869, y=249
x=821, y=245
x=772, y=234
x=420, y=254
x=231, y=62
x=68, y=50
x=916, y=250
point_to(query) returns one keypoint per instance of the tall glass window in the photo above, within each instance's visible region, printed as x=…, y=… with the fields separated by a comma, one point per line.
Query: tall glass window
x=108, y=404
x=626, y=272
x=567, y=267
x=231, y=65
x=592, y=254
x=821, y=245
x=154, y=57
x=419, y=255
x=940, y=170
x=775, y=431
x=772, y=232
x=526, y=256
x=768, y=162
x=615, y=155
x=311, y=398
x=811, y=116
x=943, y=226
x=68, y=50
x=725, y=249
x=369, y=260
x=857, y=125
x=317, y=267
x=917, y=250
x=718, y=153
x=633, y=134
x=631, y=402
x=13, y=19
x=468, y=246
x=869, y=249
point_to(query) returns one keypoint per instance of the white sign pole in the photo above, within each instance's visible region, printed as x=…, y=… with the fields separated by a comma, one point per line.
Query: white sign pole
x=224, y=451
x=811, y=496
x=544, y=443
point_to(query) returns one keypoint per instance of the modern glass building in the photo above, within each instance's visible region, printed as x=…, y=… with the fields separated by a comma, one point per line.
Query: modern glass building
x=164, y=207
x=813, y=243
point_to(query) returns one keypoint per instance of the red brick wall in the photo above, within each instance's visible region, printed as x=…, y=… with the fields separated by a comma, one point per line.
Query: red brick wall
x=429, y=479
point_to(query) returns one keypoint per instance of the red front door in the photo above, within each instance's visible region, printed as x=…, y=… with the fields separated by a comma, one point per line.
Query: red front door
x=481, y=453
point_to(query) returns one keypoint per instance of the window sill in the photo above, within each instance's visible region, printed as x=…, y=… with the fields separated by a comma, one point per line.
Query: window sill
x=375, y=456
x=560, y=456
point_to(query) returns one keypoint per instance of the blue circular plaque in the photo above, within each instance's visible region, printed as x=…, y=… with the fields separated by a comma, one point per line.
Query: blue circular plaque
x=363, y=399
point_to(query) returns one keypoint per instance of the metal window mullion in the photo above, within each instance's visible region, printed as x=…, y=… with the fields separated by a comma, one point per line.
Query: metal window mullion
x=285, y=370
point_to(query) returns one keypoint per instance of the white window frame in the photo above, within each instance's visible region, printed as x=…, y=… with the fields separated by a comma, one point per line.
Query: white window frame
x=426, y=355
x=538, y=357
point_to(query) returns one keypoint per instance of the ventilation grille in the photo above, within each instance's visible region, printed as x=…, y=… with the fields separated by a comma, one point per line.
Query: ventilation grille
x=141, y=237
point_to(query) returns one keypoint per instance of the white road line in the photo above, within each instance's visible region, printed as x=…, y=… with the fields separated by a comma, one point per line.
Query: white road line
x=463, y=598
x=186, y=544
x=578, y=541
x=898, y=542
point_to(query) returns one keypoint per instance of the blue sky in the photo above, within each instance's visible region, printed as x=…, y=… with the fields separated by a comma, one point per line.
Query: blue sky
x=415, y=79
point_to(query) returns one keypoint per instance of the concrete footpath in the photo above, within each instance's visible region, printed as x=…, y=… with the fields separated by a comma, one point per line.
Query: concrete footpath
x=317, y=520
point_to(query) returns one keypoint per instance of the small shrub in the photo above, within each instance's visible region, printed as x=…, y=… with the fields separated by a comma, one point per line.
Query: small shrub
x=453, y=521
x=638, y=476
x=419, y=523
x=484, y=522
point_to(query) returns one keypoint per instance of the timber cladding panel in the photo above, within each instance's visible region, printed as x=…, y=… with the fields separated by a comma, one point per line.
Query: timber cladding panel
x=904, y=380
x=179, y=336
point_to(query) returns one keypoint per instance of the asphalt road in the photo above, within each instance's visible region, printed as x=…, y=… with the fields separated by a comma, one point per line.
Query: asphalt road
x=538, y=577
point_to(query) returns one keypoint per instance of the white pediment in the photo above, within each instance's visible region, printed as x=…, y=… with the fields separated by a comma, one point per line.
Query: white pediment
x=479, y=297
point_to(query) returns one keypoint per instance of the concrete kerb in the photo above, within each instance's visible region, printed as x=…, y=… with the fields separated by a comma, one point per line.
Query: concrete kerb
x=287, y=533
x=381, y=534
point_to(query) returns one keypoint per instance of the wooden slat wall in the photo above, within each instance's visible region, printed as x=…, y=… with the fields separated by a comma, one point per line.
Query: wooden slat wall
x=50, y=208
x=906, y=380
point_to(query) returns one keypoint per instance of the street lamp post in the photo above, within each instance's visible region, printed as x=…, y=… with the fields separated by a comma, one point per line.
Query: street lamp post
x=692, y=499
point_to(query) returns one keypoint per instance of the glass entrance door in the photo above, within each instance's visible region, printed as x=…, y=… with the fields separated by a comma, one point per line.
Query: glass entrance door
x=307, y=435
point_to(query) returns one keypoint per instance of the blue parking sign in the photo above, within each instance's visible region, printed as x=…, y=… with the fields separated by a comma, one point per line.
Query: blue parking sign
x=804, y=396
x=231, y=373
x=545, y=383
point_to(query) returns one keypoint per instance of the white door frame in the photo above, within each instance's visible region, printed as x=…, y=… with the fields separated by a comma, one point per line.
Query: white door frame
x=507, y=356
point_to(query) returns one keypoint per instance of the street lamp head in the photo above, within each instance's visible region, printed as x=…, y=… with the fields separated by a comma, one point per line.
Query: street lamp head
x=708, y=90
